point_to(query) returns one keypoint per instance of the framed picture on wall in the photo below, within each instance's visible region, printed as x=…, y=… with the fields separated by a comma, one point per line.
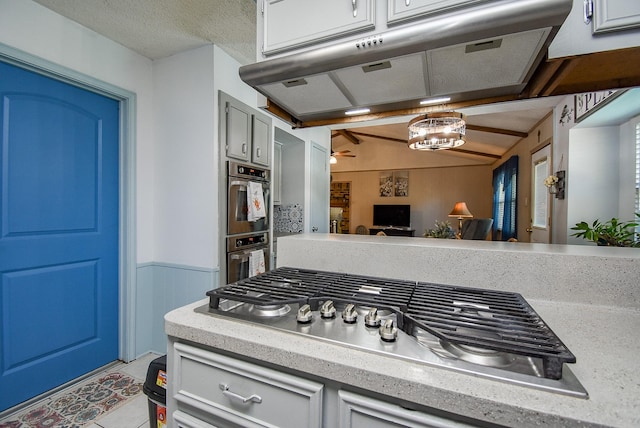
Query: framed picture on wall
x=401, y=183
x=386, y=184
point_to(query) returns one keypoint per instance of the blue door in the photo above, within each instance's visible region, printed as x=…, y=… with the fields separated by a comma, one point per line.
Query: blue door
x=58, y=233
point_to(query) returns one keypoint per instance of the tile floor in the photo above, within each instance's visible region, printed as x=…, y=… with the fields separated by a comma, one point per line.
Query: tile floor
x=134, y=413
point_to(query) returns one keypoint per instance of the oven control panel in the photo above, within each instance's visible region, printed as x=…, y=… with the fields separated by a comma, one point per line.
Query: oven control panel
x=247, y=171
x=240, y=242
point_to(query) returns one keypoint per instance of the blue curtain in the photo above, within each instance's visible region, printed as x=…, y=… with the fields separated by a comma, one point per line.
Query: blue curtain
x=505, y=176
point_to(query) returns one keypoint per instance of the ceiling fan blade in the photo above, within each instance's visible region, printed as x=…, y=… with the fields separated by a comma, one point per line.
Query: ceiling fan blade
x=341, y=152
x=344, y=155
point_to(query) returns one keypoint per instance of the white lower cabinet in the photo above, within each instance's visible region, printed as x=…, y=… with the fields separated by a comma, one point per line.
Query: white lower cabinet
x=359, y=411
x=227, y=392
x=183, y=420
x=211, y=390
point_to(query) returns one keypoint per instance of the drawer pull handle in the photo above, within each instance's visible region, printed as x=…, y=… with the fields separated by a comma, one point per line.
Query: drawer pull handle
x=233, y=396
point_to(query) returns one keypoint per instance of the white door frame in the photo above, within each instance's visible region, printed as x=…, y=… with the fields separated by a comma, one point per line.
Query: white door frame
x=127, y=191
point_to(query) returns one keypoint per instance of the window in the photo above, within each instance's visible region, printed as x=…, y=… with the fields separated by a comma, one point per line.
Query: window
x=540, y=194
x=505, y=185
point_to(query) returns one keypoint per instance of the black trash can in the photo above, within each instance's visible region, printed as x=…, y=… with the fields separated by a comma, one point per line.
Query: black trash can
x=155, y=387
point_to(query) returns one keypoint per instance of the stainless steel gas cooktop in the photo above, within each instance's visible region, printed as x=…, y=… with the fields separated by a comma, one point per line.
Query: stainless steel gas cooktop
x=491, y=334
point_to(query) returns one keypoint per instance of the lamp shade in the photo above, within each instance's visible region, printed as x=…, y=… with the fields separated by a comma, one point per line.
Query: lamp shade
x=460, y=210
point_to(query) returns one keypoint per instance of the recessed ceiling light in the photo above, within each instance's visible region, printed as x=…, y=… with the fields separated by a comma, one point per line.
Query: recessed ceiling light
x=357, y=111
x=435, y=101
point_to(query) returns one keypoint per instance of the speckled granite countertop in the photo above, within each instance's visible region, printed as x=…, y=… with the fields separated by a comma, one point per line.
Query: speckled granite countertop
x=590, y=297
x=604, y=340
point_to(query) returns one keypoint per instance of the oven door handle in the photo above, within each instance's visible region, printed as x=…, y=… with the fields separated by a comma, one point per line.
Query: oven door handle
x=245, y=183
x=242, y=183
x=245, y=253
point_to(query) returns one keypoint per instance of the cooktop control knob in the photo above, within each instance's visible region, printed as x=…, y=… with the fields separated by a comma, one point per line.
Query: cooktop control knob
x=372, y=319
x=349, y=314
x=304, y=315
x=388, y=332
x=327, y=310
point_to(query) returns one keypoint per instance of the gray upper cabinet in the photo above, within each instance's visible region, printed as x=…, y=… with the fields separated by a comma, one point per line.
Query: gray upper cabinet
x=615, y=15
x=598, y=26
x=261, y=132
x=290, y=24
x=245, y=131
x=402, y=10
x=238, y=136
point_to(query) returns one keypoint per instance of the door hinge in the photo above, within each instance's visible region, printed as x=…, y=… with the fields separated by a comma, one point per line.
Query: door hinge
x=588, y=11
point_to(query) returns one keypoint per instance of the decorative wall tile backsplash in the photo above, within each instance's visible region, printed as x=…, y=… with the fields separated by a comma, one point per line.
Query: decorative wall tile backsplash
x=288, y=218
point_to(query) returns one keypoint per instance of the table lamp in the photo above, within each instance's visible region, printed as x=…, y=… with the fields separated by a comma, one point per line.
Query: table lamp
x=460, y=211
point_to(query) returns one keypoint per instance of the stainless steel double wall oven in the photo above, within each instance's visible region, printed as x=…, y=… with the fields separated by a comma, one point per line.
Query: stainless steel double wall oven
x=244, y=236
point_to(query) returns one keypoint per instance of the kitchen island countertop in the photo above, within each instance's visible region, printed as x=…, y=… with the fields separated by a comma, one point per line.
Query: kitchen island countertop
x=604, y=340
x=588, y=296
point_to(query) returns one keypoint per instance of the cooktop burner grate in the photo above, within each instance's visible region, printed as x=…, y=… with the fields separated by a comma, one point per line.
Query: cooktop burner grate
x=370, y=291
x=494, y=320
x=276, y=287
x=500, y=321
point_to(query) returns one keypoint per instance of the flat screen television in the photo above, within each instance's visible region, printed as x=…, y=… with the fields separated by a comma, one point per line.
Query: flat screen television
x=392, y=216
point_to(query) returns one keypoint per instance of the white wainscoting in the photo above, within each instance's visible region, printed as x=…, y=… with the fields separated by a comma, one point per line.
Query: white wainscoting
x=160, y=288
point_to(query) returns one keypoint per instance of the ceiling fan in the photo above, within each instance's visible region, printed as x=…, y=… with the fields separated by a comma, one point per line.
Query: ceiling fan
x=344, y=153
x=333, y=159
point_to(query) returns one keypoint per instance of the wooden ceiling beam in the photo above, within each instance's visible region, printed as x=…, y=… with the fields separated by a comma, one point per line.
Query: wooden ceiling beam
x=564, y=70
x=348, y=135
x=380, y=137
x=474, y=153
x=541, y=78
x=500, y=131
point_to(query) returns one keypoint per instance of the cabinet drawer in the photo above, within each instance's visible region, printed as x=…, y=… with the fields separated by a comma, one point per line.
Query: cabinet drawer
x=359, y=411
x=232, y=390
x=183, y=420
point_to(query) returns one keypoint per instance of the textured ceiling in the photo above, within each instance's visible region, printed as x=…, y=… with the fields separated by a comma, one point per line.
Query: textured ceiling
x=161, y=28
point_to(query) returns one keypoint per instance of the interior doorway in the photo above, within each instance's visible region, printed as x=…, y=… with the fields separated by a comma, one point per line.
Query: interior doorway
x=125, y=185
x=340, y=203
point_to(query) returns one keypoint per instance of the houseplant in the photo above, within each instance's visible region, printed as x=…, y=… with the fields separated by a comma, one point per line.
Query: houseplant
x=614, y=233
x=442, y=230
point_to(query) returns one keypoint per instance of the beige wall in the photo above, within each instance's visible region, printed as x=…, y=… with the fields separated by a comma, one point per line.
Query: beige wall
x=432, y=194
x=539, y=136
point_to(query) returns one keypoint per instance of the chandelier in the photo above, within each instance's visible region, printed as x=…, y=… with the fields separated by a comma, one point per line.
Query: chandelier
x=437, y=131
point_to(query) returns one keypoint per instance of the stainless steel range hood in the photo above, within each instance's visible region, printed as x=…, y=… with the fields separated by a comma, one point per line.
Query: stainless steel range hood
x=487, y=50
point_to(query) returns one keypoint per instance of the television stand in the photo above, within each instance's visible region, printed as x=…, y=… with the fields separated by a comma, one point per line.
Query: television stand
x=392, y=231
